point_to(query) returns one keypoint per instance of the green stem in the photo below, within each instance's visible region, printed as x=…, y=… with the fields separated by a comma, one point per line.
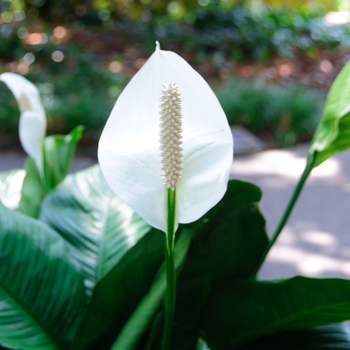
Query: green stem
x=287, y=212
x=170, y=268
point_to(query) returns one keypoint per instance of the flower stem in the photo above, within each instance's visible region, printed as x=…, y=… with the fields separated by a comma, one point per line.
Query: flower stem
x=287, y=212
x=170, y=268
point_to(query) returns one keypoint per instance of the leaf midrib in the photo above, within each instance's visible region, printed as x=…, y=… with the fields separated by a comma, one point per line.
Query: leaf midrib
x=101, y=249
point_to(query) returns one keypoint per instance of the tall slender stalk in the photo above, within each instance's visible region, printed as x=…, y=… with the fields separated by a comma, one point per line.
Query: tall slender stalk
x=287, y=212
x=170, y=268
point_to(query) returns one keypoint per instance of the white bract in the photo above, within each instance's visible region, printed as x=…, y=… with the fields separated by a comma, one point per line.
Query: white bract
x=32, y=123
x=129, y=149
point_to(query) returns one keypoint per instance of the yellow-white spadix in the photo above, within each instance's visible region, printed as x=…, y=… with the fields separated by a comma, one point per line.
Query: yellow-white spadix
x=32, y=122
x=167, y=130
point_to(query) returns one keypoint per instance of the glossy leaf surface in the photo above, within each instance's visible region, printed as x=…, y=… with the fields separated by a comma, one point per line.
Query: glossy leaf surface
x=335, y=337
x=144, y=313
x=333, y=132
x=58, y=155
x=239, y=311
x=42, y=295
x=117, y=295
x=229, y=243
x=98, y=226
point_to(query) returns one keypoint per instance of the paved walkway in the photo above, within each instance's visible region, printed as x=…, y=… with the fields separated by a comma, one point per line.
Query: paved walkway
x=316, y=240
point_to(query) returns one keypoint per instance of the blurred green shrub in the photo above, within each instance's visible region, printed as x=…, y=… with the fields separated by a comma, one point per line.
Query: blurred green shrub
x=243, y=34
x=281, y=115
x=240, y=32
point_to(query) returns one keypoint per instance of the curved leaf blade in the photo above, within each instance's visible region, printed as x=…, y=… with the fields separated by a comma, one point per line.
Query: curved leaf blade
x=98, y=226
x=230, y=242
x=117, y=295
x=333, y=131
x=335, y=337
x=58, y=153
x=42, y=294
x=140, y=320
x=239, y=311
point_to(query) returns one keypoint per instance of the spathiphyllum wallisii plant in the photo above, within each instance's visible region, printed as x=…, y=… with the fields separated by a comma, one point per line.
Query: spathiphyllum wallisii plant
x=88, y=270
x=167, y=151
x=32, y=122
x=49, y=157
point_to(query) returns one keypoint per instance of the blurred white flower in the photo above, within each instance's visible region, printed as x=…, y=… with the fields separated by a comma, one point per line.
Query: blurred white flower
x=129, y=149
x=32, y=123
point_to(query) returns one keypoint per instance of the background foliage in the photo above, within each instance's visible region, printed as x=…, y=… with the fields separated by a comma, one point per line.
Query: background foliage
x=82, y=54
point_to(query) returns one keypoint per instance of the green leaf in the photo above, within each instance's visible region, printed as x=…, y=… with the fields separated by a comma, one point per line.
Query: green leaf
x=98, y=226
x=10, y=187
x=140, y=320
x=239, y=311
x=335, y=337
x=117, y=295
x=58, y=155
x=333, y=132
x=33, y=190
x=202, y=345
x=229, y=243
x=42, y=294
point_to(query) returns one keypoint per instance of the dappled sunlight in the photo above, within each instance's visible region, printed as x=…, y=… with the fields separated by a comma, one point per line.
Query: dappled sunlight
x=335, y=18
x=307, y=251
x=311, y=264
x=319, y=238
x=284, y=164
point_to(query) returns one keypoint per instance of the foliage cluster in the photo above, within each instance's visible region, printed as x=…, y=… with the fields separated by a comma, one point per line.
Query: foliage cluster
x=218, y=32
x=282, y=115
x=239, y=32
x=81, y=270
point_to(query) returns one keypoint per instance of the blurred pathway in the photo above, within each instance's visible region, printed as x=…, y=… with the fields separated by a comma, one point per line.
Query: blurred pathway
x=316, y=240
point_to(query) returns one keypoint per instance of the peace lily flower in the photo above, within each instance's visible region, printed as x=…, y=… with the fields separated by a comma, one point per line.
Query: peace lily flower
x=32, y=123
x=167, y=130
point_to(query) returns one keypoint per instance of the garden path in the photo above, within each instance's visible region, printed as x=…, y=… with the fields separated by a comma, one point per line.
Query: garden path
x=316, y=240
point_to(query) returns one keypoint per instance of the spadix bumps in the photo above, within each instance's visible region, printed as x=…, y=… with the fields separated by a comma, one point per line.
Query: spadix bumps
x=170, y=135
x=130, y=151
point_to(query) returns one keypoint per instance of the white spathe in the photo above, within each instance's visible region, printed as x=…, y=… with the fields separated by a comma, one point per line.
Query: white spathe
x=129, y=152
x=32, y=123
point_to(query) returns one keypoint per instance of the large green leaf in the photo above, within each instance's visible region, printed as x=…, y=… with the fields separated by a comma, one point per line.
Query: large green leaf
x=229, y=243
x=99, y=227
x=42, y=294
x=117, y=295
x=335, y=337
x=10, y=187
x=141, y=318
x=333, y=132
x=58, y=155
x=239, y=311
